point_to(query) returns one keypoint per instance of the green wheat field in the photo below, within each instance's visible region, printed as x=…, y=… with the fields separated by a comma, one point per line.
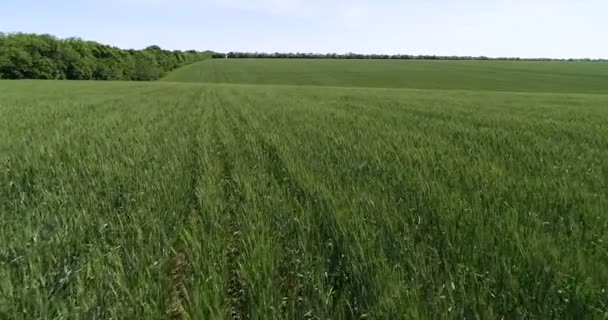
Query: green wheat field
x=308, y=189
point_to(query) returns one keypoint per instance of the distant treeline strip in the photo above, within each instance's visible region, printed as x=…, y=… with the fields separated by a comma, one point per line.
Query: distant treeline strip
x=245, y=55
x=33, y=56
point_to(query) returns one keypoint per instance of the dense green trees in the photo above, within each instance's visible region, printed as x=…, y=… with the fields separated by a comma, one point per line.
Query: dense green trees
x=33, y=56
x=278, y=55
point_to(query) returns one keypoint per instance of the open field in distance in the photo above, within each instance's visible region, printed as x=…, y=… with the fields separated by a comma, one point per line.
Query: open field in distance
x=513, y=76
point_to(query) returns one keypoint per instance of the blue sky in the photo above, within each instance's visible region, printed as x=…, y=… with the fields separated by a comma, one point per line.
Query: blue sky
x=524, y=28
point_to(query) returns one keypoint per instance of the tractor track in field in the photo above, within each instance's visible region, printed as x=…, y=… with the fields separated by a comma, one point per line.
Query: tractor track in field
x=293, y=285
x=236, y=295
x=291, y=279
x=178, y=274
x=341, y=280
x=181, y=262
x=338, y=272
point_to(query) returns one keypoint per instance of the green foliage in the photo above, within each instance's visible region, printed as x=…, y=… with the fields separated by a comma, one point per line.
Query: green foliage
x=31, y=56
x=15, y=63
x=146, y=66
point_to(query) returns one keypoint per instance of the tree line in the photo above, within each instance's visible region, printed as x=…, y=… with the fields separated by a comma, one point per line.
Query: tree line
x=42, y=56
x=278, y=55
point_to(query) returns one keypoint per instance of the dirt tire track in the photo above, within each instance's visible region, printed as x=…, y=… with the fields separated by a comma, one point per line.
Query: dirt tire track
x=178, y=273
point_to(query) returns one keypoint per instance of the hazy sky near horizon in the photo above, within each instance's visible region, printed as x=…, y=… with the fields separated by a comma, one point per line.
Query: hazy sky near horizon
x=524, y=28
